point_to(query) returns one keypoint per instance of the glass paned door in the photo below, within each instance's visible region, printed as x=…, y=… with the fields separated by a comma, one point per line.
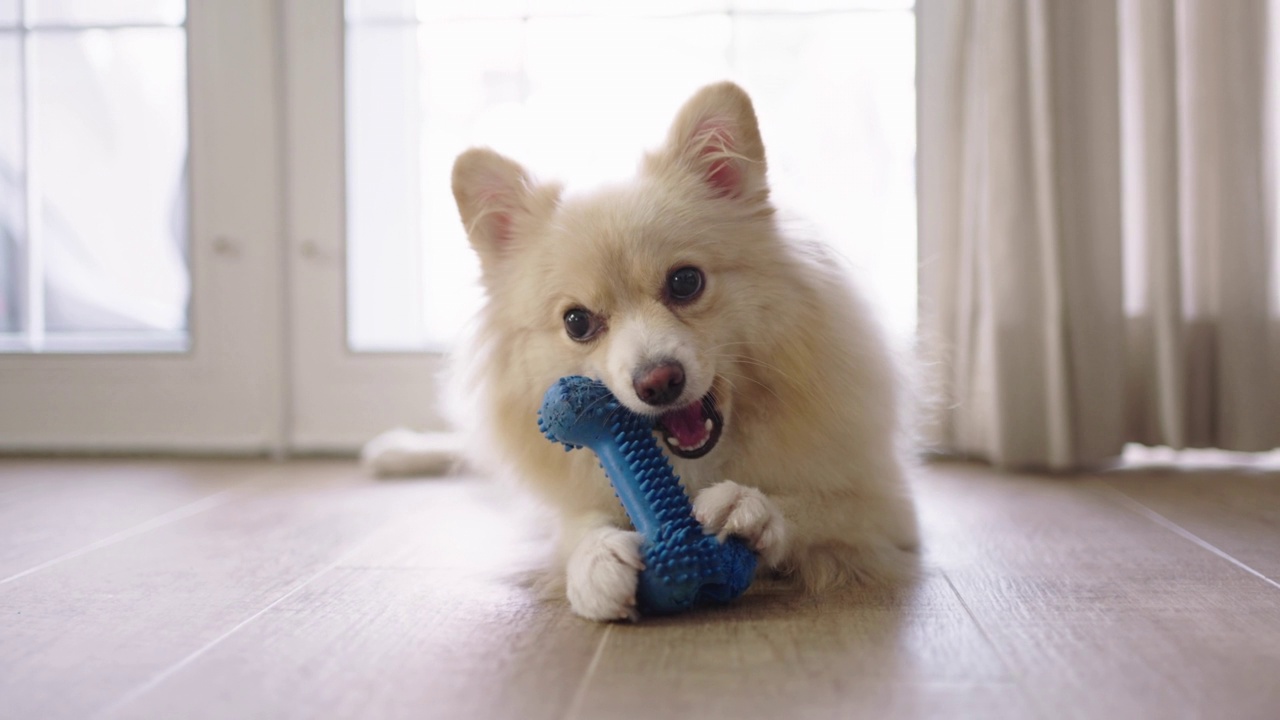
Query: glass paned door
x=139, y=225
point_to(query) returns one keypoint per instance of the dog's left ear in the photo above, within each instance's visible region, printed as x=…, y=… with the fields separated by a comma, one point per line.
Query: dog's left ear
x=499, y=203
x=716, y=137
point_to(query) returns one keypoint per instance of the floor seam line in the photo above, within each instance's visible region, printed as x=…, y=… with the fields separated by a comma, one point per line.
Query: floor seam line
x=982, y=630
x=575, y=705
x=180, y=513
x=173, y=669
x=1140, y=509
x=168, y=672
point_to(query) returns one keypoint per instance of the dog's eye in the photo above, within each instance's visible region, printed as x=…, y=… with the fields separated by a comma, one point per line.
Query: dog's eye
x=580, y=324
x=684, y=284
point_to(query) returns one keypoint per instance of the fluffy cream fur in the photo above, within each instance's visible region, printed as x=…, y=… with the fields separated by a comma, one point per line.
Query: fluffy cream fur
x=807, y=468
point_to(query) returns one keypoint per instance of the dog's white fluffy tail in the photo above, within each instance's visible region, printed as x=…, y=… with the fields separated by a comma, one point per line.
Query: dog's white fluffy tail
x=402, y=452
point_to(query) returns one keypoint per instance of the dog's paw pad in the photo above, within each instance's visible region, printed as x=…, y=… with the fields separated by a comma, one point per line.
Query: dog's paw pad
x=728, y=508
x=602, y=574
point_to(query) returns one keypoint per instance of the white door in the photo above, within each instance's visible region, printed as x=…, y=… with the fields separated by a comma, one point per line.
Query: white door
x=139, y=225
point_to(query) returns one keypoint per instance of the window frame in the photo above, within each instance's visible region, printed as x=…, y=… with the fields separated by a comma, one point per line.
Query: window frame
x=338, y=397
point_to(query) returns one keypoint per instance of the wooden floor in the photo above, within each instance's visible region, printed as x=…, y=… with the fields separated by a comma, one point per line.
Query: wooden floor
x=175, y=589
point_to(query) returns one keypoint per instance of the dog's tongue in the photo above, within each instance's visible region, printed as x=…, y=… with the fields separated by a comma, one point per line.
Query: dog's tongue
x=687, y=424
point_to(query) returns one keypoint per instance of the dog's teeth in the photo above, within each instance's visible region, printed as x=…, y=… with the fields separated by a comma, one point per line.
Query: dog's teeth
x=673, y=442
x=708, y=424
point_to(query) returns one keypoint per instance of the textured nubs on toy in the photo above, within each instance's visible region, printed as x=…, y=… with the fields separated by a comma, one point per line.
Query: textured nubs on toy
x=684, y=566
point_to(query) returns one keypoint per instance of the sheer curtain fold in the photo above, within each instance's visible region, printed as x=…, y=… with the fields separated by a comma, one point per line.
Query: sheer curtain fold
x=1097, y=226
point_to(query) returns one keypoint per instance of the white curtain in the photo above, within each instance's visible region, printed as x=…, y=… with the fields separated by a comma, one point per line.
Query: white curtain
x=1098, y=235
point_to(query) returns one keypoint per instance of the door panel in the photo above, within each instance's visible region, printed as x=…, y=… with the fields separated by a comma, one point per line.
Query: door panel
x=120, y=360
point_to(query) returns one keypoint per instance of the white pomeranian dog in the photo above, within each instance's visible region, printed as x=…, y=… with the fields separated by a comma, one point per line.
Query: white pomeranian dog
x=770, y=385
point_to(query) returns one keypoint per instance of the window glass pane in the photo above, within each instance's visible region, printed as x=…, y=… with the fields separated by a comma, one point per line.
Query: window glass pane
x=468, y=9
x=589, y=121
x=8, y=13
x=384, y=252
x=624, y=8
x=474, y=91
x=836, y=95
x=835, y=92
x=367, y=10
x=109, y=142
x=12, y=192
x=111, y=12
x=797, y=6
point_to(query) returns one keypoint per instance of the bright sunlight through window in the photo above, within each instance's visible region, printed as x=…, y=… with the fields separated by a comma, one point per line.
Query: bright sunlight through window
x=576, y=90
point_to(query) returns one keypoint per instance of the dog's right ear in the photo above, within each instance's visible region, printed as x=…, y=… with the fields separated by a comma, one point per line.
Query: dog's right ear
x=716, y=138
x=496, y=199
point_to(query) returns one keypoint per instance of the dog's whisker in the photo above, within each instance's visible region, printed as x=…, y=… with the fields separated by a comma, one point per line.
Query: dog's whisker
x=793, y=384
x=766, y=388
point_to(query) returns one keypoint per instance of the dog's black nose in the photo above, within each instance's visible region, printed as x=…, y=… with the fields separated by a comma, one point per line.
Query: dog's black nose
x=659, y=384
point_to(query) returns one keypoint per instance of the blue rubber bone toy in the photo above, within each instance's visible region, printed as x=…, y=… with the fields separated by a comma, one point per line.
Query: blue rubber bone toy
x=684, y=566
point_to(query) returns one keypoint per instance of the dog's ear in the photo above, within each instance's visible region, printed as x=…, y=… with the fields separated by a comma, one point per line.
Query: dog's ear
x=716, y=137
x=497, y=200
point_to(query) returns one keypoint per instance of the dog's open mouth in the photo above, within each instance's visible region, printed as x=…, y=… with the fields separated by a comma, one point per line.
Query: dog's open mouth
x=691, y=431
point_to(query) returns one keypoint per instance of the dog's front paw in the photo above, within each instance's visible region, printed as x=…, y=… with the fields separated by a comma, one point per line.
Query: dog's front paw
x=728, y=508
x=602, y=573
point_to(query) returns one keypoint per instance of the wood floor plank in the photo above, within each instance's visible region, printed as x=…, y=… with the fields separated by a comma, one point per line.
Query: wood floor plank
x=1236, y=510
x=912, y=653
x=388, y=643
x=83, y=633
x=315, y=592
x=423, y=620
x=1101, y=612
x=470, y=526
x=51, y=508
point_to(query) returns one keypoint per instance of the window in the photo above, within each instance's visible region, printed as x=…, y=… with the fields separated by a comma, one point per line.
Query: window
x=575, y=90
x=93, y=191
